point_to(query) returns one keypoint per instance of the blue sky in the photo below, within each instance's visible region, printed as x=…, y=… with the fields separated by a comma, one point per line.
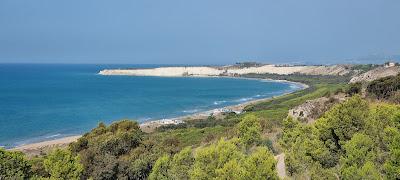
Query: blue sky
x=196, y=32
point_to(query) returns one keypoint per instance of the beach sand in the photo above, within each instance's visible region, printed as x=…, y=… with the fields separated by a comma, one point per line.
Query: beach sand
x=45, y=146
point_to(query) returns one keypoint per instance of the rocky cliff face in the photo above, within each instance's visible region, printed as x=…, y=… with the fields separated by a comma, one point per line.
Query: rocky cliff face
x=335, y=70
x=231, y=70
x=376, y=73
x=313, y=109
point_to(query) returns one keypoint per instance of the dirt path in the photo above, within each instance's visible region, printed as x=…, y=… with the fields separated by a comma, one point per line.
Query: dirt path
x=280, y=166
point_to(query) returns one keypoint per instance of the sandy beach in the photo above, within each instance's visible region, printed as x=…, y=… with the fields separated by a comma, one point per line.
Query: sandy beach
x=44, y=146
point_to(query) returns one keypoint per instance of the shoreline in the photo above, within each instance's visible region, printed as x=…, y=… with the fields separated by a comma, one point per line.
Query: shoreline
x=39, y=147
x=44, y=146
x=150, y=126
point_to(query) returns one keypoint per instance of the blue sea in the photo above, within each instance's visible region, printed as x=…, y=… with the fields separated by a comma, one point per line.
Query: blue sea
x=47, y=101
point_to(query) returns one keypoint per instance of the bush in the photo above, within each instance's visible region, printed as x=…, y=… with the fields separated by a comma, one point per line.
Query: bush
x=100, y=149
x=354, y=88
x=385, y=87
x=221, y=160
x=61, y=164
x=13, y=165
x=249, y=130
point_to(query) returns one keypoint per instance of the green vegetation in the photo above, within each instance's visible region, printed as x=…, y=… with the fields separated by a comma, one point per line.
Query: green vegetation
x=249, y=130
x=354, y=88
x=364, y=67
x=303, y=78
x=225, y=159
x=351, y=141
x=61, y=164
x=385, y=88
x=13, y=165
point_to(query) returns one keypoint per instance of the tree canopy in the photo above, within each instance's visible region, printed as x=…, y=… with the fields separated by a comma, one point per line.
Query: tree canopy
x=354, y=140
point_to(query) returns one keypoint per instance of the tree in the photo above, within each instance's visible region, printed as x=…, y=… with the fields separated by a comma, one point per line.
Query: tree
x=61, y=164
x=384, y=87
x=249, y=130
x=100, y=151
x=344, y=120
x=354, y=88
x=392, y=164
x=213, y=157
x=261, y=164
x=358, y=162
x=181, y=164
x=232, y=170
x=160, y=169
x=13, y=165
x=228, y=160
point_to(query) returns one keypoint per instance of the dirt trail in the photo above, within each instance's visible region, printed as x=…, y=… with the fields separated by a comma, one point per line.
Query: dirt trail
x=280, y=166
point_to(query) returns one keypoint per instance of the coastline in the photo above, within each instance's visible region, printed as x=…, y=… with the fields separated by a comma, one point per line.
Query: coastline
x=39, y=147
x=44, y=146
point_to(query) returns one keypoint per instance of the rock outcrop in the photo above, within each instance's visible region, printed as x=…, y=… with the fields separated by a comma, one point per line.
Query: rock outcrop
x=312, y=109
x=376, y=73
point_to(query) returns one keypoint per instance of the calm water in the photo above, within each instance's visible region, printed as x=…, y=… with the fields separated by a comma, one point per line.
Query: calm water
x=42, y=102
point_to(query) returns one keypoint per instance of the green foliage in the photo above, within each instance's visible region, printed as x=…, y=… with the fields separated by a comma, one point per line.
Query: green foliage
x=176, y=168
x=261, y=164
x=353, y=140
x=209, y=159
x=230, y=120
x=358, y=161
x=38, y=168
x=343, y=120
x=225, y=159
x=276, y=109
x=181, y=163
x=385, y=87
x=160, y=169
x=392, y=164
x=249, y=130
x=354, y=88
x=13, y=165
x=303, y=78
x=61, y=164
x=364, y=67
x=101, y=149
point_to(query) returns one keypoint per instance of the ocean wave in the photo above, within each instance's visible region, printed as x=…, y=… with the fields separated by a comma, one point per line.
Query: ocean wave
x=219, y=102
x=244, y=99
x=294, y=86
x=191, y=110
x=52, y=136
x=143, y=119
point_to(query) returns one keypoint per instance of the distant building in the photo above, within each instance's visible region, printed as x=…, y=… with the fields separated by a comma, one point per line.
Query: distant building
x=389, y=64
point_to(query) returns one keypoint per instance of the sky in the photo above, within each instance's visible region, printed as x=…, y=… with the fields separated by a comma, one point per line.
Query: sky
x=196, y=32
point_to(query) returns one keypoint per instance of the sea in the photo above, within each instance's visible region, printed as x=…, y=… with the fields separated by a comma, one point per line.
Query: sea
x=41, y=102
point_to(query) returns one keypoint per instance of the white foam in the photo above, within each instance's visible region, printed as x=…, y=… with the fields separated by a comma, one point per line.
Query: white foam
x=244, y=99
x=219, y=102
x=191, y=110
x=52, y=136
x=144, y=119
x=294, y=86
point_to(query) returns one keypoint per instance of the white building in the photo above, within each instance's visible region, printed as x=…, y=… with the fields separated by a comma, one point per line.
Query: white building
x=390, y=64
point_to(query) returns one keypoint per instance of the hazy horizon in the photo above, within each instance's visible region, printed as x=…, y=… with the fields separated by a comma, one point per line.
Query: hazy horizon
x=199, y=32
